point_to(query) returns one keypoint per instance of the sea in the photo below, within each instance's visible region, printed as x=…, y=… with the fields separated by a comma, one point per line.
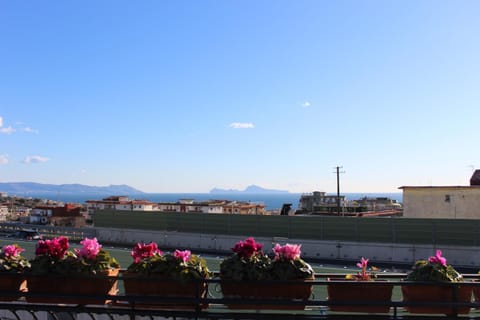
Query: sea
x=272, y=201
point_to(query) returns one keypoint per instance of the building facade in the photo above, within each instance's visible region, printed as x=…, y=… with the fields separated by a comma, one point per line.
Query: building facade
x=444, y=202
x=448, y=202
x=120, y=203
x=182, y=206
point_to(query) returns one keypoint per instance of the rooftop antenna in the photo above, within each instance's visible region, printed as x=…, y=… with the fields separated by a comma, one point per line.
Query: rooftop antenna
x=338, y=187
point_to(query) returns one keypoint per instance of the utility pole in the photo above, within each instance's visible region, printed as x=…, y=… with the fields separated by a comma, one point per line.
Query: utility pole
x=338, y=188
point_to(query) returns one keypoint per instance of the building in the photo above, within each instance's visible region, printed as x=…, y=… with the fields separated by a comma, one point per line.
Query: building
x=448, y=202
x=376, y=203
x=212, y=207
x=69, y=215
x=120, y=203
x=4, y=212
x=319, y=201
x=323, y=204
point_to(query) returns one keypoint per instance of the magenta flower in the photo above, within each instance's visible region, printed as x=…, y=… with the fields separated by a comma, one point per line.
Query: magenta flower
x=438, y=259
x=90, y=248
x=246, y=249
x=12, y=250
x=144, y=251
x=363, y=265
x=287, y=252
x=56, y=247
x=182, y=255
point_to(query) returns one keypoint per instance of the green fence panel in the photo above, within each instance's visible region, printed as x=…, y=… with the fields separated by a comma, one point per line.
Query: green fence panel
x=216, y=224
x=374, y=230
x=273, y=226
x=384, y=230
x=455, y=232
x=192, y=222
x=414, y=231
x=306, y=227
x=340, y=228
x=242, y=225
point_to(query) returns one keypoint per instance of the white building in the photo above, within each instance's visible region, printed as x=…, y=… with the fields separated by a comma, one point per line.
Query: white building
x=120, y=203
x=181, y=206
x=4, y=213
x=449, y=202
x=40, y=215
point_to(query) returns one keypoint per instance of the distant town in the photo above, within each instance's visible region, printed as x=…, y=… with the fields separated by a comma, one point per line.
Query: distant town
x=30, y=210
x=448, y=202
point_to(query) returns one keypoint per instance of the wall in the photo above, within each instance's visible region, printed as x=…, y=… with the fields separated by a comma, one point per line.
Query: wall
x=458, y=232
x=441, y=202
x=402, y=255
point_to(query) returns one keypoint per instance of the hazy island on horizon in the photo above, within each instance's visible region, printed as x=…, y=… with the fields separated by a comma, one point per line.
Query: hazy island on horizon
x=26, y=188
x=250, y=189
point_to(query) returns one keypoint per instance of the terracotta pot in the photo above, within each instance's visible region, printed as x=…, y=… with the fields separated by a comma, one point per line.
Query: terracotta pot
x=13, y=283
x=436, y=294
x=290, y=291
x=163, y=292
x=361, y=292
x=57, y=288
x=476, y=293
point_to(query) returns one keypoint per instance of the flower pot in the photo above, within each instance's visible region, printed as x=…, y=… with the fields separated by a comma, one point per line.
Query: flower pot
x=284, y=292
x=82, y=289
x=436, y=294
x=159, y=291
x=476, y=292
x=14, y=284
x=364, y=295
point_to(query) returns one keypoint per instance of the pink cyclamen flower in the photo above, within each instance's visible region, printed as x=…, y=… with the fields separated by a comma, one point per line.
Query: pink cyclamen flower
x=438, y=259
x=90, y=248
x=144, y=251
x=363, y=265
x=246, y=249
x=11, y=250
x=56, y=247
x=182, y=255
x=287, y=252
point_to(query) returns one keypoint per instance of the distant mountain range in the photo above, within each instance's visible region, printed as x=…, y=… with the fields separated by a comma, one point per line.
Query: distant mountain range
x=24, y=188
x=249, y=189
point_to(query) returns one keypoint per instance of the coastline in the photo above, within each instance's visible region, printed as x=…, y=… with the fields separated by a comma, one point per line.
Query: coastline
x=272, y=201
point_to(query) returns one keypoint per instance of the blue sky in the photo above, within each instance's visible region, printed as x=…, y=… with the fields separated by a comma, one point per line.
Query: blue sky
x=185, y=96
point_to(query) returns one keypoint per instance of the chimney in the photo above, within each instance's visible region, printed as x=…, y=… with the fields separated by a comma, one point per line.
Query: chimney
x=475, y=179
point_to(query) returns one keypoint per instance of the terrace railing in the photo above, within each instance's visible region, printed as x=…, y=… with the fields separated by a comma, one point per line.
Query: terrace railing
x=215, y=305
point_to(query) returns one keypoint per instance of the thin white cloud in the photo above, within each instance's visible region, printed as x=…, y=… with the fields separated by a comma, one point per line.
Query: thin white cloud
x=35, y=159
x=30, y=130
x=241, y=125
x=10, y=129
x=306, y=104
x=3, y=159
x=7, y=130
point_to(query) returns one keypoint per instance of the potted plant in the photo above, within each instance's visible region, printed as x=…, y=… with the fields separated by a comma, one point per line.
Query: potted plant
x=363, y=289
x=166, y=278
x=251, y=274
x=12, y=266
x=57, y=271
x=432, y=282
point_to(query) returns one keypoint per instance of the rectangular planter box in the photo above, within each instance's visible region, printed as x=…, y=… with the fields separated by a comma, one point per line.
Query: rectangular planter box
x=362, y=293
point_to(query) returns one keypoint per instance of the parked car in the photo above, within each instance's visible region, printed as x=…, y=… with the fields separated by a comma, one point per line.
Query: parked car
x=28, y=234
